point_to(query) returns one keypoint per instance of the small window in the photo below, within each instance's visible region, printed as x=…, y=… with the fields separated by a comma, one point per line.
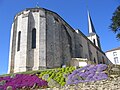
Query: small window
x=103, y=60
x=94, y=60
x=116, y=60
x=94, y=41
x=56, y=19
x=114, y=53
x=33, y=38
x=19, y=37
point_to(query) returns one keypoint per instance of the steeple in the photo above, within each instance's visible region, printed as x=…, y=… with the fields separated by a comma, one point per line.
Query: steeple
x=91, y=28
x=92, y=33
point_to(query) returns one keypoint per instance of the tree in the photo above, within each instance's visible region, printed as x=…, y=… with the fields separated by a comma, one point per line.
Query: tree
x=115, y=25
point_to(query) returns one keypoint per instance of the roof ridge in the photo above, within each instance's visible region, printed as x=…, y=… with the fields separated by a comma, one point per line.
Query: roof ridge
x=118, y=48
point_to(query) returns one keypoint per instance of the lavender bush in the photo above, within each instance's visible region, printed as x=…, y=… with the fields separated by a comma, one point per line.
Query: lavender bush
x=87, y=74
x=56, y=76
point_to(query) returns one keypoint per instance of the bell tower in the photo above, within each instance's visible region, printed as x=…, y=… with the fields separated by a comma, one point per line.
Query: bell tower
x=92, y=33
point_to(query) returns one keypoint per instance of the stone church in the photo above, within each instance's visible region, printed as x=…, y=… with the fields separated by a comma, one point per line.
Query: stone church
x=41, y=39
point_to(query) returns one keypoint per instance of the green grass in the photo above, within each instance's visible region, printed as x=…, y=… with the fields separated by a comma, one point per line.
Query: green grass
x=27, y=72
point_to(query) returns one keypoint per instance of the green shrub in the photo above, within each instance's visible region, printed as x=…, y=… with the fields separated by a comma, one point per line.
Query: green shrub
x=58, y=79
x=49, y=79
x=62, y=79
x=58, y=75
x=63, y=83
x=63, y=69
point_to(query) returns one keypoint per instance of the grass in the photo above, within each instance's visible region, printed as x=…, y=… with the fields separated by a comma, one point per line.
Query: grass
x=27, y=72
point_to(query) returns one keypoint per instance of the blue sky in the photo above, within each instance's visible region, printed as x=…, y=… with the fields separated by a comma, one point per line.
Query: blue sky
x=73, y=11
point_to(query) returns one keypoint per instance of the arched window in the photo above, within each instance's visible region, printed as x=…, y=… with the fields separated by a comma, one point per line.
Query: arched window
x=103, y=60
x=33, y=38
x=94, y=41
x=94, y=60
x=19, y=37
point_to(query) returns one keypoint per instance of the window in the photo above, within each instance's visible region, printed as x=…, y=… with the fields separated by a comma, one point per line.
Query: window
x=94, y=41
x=33, y=38
x=81, y=50
x=116, y=60
x=94, y=60
x=56, y=19
x=18, y=45
x=90, y=53
x=103, y=60
x=114, y=53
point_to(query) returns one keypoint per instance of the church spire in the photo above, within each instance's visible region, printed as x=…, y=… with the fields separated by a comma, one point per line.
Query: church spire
x=92, y=33
x=91, y=28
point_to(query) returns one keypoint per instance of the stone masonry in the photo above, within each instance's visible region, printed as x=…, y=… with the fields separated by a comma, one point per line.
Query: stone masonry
x=56, y=42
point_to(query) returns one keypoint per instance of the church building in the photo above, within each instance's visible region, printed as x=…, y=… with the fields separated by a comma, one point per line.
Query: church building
x=41, y=39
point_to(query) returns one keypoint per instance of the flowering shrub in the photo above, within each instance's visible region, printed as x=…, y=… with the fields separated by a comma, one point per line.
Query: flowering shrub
x=22, y=80
x=87, y=74
x=59, y=75
x=54, y=77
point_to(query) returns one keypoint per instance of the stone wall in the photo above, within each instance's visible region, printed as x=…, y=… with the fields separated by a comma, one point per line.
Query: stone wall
x=110, y=84
x=59, y=42
x=53, y=42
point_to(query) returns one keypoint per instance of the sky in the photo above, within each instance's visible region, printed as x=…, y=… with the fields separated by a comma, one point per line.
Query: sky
x=74, y=12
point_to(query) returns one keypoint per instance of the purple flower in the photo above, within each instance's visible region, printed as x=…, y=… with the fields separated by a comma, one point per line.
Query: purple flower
x=91, y=73
x=22, y=80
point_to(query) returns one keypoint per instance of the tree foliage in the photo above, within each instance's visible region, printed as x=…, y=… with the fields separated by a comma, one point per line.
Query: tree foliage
x=115, y=25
